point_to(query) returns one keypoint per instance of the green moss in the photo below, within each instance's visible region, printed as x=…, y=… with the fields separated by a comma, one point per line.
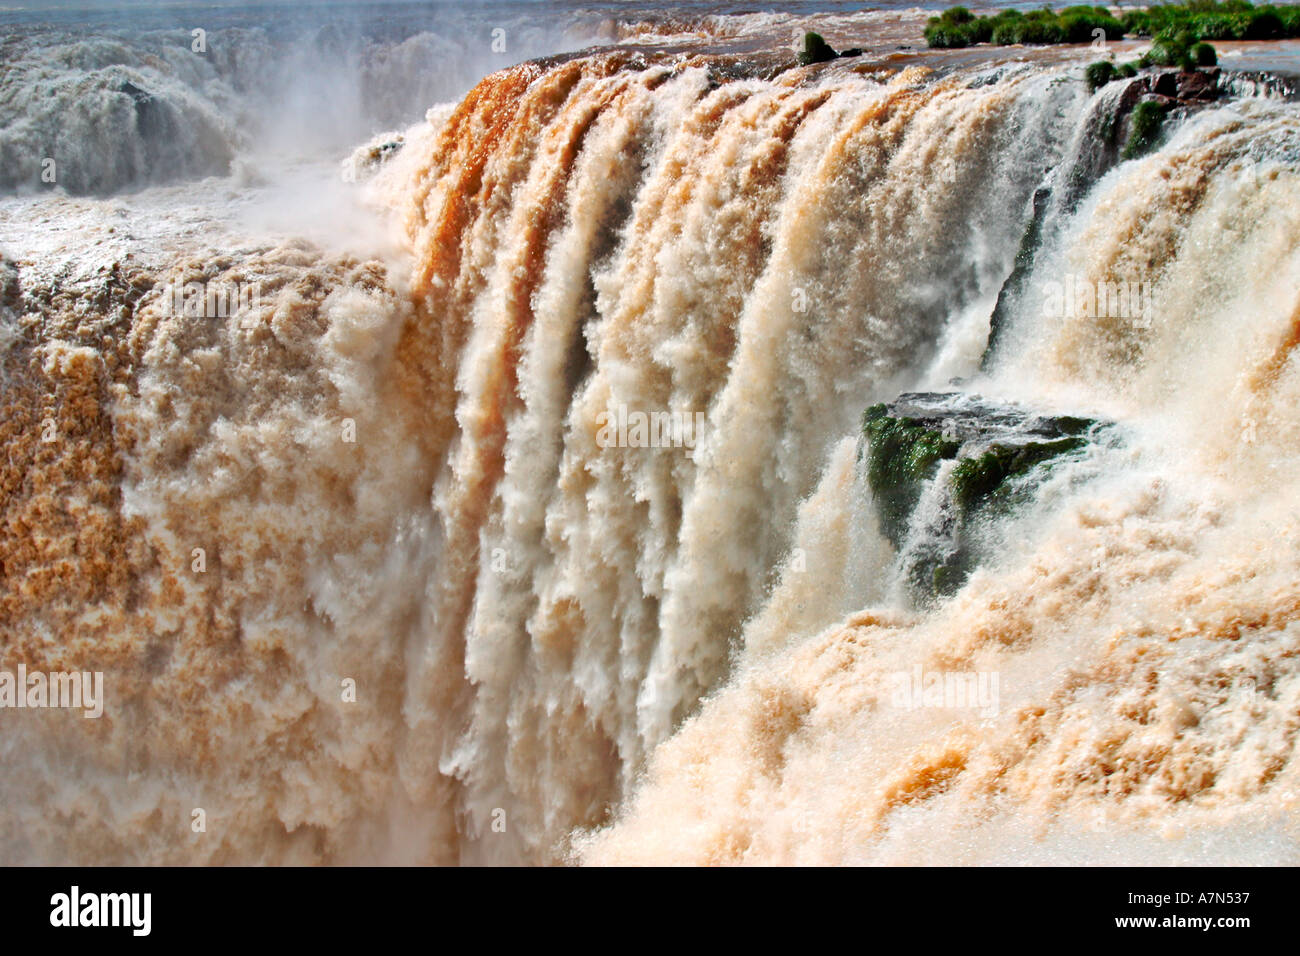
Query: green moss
x=1099, y=74
x=902, y=454
x=903, y=449
x=1072, y=425
x=978, y=481
x=946, y=579
x=1147, y=120
x=815, y=50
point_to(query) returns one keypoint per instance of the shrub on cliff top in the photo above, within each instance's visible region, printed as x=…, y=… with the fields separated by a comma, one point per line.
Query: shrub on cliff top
x=1172, y=47
x=1198, y=19
x=958, y=27
x=1210, y=20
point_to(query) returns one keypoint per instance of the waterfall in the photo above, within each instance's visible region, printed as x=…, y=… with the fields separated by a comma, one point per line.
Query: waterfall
x=567, y=648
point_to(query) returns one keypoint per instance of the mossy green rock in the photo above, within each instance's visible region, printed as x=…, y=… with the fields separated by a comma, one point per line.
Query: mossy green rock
x=984, y=479
x=1001, y=453
x=815, y=50
x=902, y=453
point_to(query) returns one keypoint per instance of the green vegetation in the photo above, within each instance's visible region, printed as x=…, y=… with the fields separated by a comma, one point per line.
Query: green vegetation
x=1172, y=47
x=1190, y=22
x=1147, y=120
x=1211, y=20
x=986, y=479
x=958, y=27
x=1099, y=74
x=901, y=455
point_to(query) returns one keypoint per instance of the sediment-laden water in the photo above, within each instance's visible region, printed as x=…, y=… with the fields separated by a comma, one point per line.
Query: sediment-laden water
x=372, y=577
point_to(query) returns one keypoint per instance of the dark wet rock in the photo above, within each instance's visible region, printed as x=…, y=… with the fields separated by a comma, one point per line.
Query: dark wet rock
x=1164, y=102
x=10, y=289
x=930, y=512
x=1181, y=87
x=1164, y=84
x=366, y=160
x=1131, y=96
x=1198, y=85
x=1138, y=125
x=385, y=151
x=1014, y=287
x=151, y=117
x=815, y=50
x=133, y=91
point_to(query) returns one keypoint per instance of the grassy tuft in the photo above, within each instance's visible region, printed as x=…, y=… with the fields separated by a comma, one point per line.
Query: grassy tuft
x=1099, y=74
x=1147, y=120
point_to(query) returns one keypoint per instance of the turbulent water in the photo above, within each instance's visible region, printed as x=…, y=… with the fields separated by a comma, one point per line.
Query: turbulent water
x=389, y=475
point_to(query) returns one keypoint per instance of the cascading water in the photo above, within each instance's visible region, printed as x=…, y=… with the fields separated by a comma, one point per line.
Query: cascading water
x=569, y=648
x=1138, y=617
